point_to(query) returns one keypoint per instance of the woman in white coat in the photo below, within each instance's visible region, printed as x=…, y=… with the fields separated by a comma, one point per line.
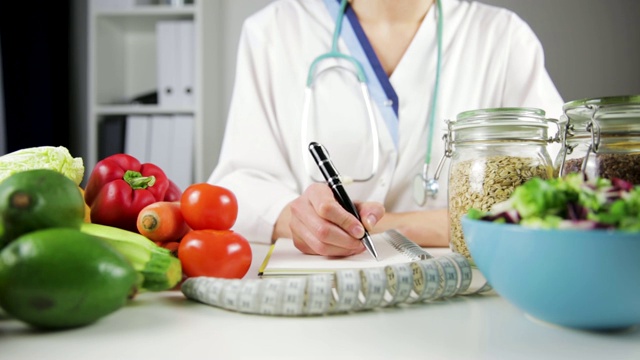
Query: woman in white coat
x=489, y=58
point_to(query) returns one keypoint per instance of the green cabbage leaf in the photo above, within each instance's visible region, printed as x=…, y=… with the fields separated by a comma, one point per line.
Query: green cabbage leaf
x=42, y=157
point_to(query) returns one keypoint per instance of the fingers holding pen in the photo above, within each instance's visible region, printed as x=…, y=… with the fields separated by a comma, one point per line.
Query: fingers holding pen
x=328, y=208
x=320, y=225
x=313, y=242
x=370, y=213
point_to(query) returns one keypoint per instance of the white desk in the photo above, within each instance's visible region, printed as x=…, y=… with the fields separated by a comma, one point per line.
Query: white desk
x=168, y=326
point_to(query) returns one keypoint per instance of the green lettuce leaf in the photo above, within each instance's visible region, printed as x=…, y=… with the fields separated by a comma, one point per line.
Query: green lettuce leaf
x=42, y=157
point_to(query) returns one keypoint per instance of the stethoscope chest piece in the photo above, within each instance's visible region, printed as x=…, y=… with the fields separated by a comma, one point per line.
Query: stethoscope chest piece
x=423, y=188
x=428, y=187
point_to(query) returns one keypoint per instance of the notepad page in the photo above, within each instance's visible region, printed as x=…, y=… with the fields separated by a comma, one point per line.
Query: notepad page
x=286, y=259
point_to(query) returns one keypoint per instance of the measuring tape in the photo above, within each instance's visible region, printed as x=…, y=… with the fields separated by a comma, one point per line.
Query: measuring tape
x=343, y=290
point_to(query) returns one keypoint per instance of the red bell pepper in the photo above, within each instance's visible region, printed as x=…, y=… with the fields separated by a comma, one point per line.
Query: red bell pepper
x=173, y=193
x=119, y=187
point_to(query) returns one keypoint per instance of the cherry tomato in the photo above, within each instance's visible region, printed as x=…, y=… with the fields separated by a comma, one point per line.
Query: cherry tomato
x=207, y=206
x=216, y=253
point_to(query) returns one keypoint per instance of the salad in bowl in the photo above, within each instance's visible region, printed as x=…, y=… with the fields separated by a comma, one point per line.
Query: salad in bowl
x=570, y=202
x=564, y=251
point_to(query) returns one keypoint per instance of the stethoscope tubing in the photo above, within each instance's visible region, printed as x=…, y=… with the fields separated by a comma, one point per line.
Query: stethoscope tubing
x=375, y=134
x=429, y=185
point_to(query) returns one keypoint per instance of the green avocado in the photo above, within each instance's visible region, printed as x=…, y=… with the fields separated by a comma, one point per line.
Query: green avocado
x=38, y=199
x=61, y=278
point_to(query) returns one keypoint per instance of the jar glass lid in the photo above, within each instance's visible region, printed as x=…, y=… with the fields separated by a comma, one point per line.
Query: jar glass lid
x=603, y=101
x=613, y=114
x=514, y=123
x=512, y=116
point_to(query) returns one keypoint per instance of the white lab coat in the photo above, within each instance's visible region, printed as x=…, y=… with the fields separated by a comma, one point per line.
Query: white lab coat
x=491, y=58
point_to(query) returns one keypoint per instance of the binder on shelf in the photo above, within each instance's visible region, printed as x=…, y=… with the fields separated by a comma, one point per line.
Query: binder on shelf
x=182, y=157
x=186, y=62
x=111, y=135
x=167, y=62
x=162, y=142
x=113, y=4
x=176, y=62
x=122, y=4
x=137, y=137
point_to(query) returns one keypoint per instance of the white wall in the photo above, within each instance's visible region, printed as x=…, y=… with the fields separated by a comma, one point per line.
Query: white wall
x=592, y=47
x=235, y=13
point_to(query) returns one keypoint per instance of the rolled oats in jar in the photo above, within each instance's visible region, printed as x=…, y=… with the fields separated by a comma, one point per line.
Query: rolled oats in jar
x=492, y=152
x=601, y=138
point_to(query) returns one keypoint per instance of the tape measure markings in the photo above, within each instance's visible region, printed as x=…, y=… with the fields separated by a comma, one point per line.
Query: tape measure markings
x=450, y=275
x=271, y=296
x=340, y=291
x=465, y=271
x=429, y=287
x=293, y=299
x=319, y=294
x=374, y=286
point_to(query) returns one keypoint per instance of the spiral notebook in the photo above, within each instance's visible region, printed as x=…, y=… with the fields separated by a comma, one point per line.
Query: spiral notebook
x=284, y=259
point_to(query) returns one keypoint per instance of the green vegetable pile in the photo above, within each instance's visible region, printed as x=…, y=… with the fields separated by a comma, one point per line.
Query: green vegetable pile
x=56, y=270
x=569, y=202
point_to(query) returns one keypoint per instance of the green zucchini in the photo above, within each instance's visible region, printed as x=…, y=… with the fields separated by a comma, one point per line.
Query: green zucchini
x=159, y=269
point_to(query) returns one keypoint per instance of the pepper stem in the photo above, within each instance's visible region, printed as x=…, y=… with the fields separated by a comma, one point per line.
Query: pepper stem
x=137, y=181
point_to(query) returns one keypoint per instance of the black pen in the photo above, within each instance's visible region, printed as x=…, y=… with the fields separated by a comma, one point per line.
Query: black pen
x=332, y=177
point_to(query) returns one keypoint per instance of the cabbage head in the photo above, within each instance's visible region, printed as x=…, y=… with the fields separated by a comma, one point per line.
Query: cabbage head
x=42, y=157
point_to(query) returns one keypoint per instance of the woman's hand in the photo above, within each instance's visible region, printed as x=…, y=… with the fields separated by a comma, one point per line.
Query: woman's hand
x=319, y=225
x=425, y=228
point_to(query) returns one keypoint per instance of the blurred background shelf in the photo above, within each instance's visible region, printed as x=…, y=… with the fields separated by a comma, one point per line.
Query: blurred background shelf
x=123, y=64
x=140, y=109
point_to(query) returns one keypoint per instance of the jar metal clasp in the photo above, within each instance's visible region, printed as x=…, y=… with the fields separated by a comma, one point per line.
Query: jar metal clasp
x=448, y=150
x=566, y=132
x=447, y=154
x=424, y=186
x=593, y=127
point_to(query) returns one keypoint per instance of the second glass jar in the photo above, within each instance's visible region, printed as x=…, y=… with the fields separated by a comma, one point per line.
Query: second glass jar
x=601, y=138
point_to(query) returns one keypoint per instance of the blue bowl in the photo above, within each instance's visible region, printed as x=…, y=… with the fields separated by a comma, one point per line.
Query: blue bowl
x=586, y=279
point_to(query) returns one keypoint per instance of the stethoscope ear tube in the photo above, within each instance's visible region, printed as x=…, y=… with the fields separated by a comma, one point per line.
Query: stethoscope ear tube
x=423, y=186
x=375, y=134
x=429, y=186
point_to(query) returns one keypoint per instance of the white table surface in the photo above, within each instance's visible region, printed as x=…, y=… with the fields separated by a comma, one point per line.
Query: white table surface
x=166, y=325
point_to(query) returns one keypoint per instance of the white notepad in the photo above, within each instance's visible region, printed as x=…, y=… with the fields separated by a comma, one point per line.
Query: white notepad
x=284, y=259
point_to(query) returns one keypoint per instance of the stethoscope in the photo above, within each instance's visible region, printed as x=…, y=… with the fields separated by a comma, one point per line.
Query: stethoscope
x=424, y=186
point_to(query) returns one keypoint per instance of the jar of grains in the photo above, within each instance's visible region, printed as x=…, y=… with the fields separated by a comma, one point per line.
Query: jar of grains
x=492, y=152
x=601, y=138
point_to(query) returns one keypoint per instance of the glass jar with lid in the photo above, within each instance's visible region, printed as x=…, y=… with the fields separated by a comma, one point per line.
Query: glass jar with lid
x=601, y=138
x=492, y=152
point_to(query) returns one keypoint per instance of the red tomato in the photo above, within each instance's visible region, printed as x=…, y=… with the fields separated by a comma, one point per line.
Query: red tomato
x=216, y=253
x=207, y=206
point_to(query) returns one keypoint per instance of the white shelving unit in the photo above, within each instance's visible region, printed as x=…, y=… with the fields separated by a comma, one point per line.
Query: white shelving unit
x=122, y=64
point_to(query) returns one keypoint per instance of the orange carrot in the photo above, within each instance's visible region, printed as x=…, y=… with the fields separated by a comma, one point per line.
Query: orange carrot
x=162, y=222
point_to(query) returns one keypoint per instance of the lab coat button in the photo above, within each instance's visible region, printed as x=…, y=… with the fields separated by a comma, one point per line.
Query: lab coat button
x=388, y=102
